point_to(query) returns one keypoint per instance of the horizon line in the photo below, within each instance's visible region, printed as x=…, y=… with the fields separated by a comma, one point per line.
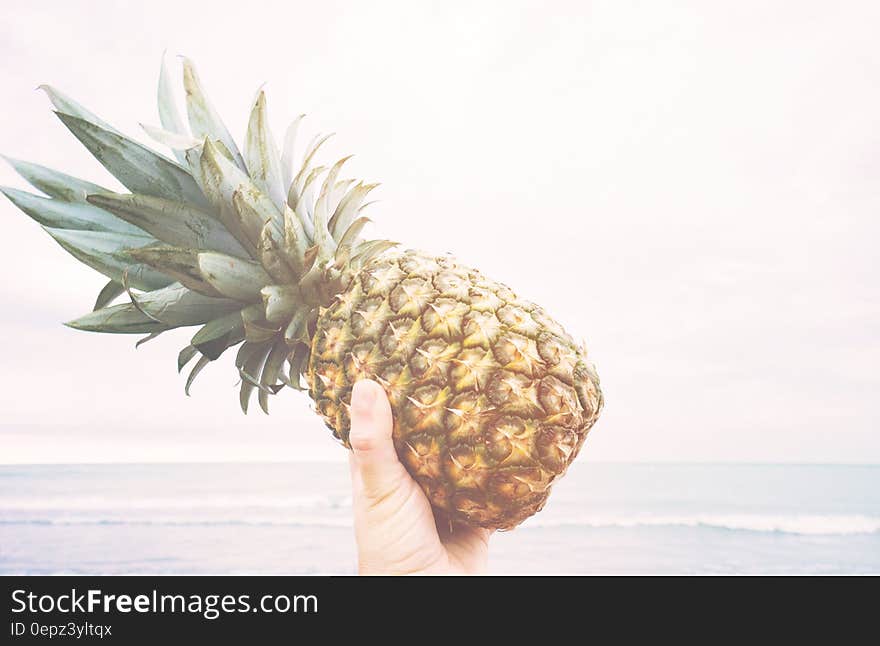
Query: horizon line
x=343, y=461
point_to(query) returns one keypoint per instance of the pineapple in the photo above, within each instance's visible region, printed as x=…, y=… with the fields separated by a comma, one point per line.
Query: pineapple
x=492, y=400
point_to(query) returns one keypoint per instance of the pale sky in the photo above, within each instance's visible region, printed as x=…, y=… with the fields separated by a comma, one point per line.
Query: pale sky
x=692, y=187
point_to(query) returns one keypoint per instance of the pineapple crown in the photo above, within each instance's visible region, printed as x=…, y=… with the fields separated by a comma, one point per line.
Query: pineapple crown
x=232, y=241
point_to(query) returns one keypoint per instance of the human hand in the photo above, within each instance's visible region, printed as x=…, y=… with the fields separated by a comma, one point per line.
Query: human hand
x=396, y=529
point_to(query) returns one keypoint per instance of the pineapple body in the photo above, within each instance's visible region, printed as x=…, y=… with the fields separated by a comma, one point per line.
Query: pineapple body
x=492, y=400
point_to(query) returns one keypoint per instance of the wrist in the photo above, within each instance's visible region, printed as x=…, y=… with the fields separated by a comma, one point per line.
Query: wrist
x=438, y=565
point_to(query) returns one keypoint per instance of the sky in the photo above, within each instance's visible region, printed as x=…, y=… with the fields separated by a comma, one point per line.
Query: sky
x=693, y=188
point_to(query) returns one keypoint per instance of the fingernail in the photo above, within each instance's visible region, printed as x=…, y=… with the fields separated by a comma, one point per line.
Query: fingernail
x=363, y=395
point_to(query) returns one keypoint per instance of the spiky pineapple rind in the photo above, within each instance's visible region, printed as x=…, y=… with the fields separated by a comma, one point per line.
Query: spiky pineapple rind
x=491, y=399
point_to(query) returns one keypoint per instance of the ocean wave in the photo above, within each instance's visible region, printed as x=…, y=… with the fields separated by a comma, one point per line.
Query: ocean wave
x=182, y=522
x=804, y=525
x=96, y=503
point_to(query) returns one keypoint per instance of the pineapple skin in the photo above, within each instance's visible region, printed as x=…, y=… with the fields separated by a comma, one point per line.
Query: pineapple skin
x=491, y=399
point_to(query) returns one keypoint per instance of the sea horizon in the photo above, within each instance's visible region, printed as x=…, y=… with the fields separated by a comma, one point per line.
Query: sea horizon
x=344, y=457
x=295, y=517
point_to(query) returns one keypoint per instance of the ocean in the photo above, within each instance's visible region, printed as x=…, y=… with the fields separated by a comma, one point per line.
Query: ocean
x=295, y=518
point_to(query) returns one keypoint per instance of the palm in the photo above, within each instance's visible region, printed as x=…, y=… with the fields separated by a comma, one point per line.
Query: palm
x=397, y=530
x=466, y=547
x=408, y=532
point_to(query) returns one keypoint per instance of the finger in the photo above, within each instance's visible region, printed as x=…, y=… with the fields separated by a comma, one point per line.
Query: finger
x=373, y=456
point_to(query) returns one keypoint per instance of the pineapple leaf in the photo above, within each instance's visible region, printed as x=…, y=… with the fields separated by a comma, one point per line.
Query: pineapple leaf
x=295, y=242
x=297, y=328
x=169, y=115
x=348, y=207
x=261, y=154
x=368, y=250
x=117, y=319
x=322, y=215
x=217, y=179
x=59, y=214
x=256, y=327
x=254, y=213
x=233, y=277
x=138, y=168
x=249, y=362
x=311, y=256
x=253, y=208
x=65, y=104
x=54, y=183
x=180, y=264
x=277, y=264
x=281, y=302
x=194, y=163
x=305, y=204
x=178, y=143
x=332, y=175
x=174, y=223
x=296, y=187
x=177, y=306
x=287, y=154
x=203, y=119
x=298, y=366
x=271, y=369
x=217, y=335
x=111, y=290
x=110, y=254
x=337, y=193
x=149, y=337
x=244, y=351
x=186, y=355
x=200, y=364
x=349, y=238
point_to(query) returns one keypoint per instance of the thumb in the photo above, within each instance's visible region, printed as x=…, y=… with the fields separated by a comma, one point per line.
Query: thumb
x=374, y=458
